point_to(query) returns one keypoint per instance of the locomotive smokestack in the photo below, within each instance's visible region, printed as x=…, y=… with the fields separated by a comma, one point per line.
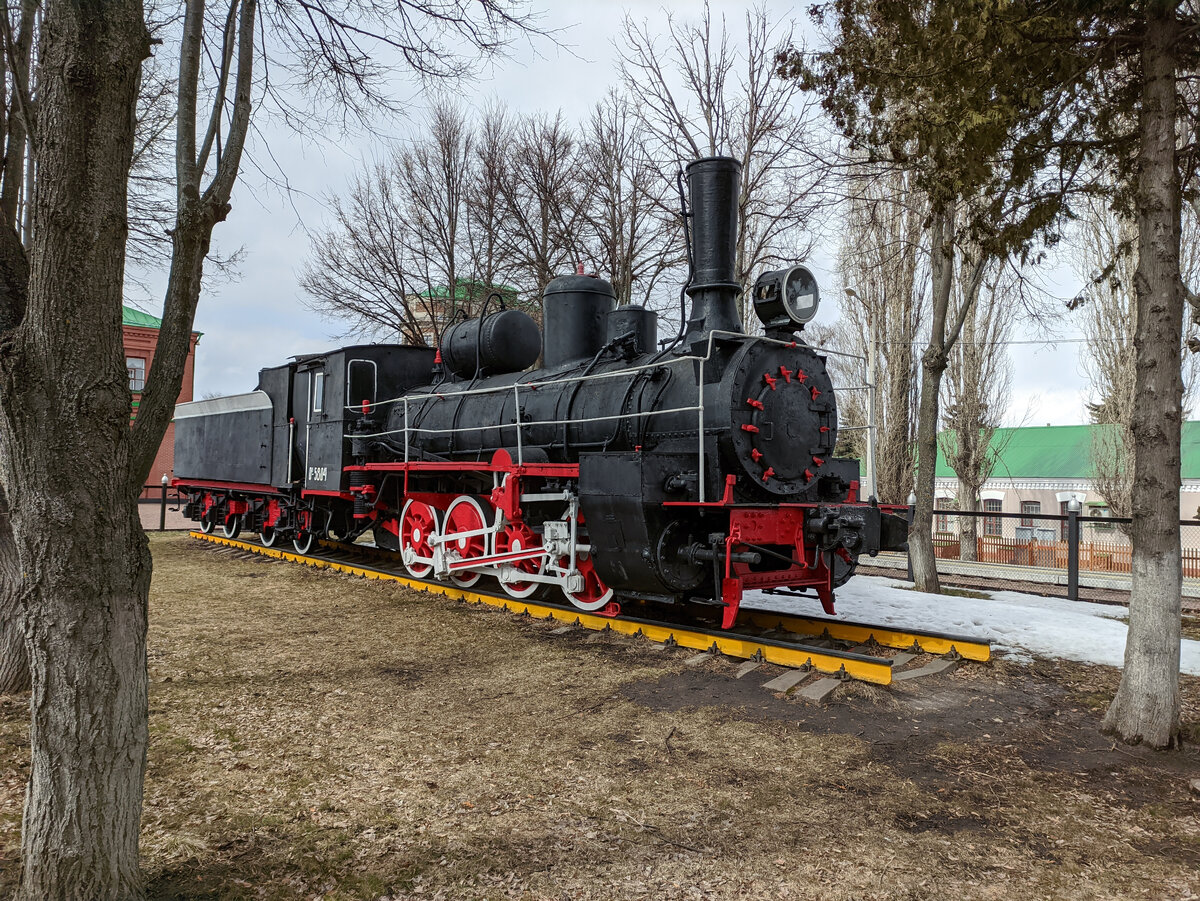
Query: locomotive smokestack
x=714, y=183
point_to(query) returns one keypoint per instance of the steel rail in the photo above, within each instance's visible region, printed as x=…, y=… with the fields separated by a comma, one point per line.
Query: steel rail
x=967, y=647
x=903, y=639
x=770, y=650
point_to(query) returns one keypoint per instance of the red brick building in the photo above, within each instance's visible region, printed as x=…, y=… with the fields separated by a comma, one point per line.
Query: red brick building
x=140, y=333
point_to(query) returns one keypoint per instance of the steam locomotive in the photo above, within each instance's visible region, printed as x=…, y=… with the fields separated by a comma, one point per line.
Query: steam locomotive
x=684, y=473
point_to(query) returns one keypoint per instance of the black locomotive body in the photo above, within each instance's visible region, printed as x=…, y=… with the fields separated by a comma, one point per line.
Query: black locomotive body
x=618, y=470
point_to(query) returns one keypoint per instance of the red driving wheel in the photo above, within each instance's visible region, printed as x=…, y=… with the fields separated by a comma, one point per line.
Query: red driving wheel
x=465, y=537
x=514, y=538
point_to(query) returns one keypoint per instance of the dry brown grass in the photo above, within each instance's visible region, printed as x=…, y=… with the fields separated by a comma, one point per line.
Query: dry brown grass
x=319, y=735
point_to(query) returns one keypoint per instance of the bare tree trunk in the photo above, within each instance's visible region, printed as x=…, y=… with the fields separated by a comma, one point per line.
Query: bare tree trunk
x=14, y=662
x=968, y=526
x=14, y=161
x=976, y=395
x=1146, y=706
x=14, y=282
x=933, y=364
x=63, y=387
x=198, y=210
x=881, y=246
x=920, y=534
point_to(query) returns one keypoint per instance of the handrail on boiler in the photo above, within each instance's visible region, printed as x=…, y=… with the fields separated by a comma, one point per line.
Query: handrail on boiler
x=408, y=430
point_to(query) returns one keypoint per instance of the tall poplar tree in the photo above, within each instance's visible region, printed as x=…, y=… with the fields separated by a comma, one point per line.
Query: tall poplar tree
x=1053, y=92
x=1149, y=47
x=947, y=90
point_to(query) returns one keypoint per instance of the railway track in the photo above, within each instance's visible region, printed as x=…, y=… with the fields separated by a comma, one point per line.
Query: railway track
x=844, y=650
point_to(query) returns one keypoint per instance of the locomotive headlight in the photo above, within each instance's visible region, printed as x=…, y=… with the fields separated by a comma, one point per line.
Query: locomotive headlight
x=786, y=298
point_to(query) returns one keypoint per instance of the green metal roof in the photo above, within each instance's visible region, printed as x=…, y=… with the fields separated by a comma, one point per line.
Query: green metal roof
x=130, y=316
x=1061, y=452
x=465, y=288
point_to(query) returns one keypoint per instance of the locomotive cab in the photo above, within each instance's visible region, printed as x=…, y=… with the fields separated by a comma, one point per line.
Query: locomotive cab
x=332, y=393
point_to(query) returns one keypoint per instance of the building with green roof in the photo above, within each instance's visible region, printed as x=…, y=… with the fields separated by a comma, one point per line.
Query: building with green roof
x=1039, y=469
x=466, y=289
x=139, y=332
x=1062, y=452
x=138, y=319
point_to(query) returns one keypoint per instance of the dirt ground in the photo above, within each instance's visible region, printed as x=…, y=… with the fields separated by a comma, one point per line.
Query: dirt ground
x=319, y=736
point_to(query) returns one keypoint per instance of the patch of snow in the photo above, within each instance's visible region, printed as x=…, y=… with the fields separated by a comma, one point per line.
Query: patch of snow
x=1018, y=625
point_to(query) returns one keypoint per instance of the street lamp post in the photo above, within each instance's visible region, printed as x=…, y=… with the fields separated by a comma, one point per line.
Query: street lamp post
x=162, y=510
x=912, y=514
x=1074, y=508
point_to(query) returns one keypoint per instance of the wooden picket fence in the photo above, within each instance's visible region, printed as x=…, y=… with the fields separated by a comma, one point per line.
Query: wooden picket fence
x=1094, y=556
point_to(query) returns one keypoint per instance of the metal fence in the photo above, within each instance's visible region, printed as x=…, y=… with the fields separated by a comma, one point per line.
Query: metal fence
x=1072, y=555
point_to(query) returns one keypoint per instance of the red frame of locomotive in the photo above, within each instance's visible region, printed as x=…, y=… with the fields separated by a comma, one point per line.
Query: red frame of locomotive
x=749, y=524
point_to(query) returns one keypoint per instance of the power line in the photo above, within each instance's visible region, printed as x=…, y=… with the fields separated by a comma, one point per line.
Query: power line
x=1042, y=341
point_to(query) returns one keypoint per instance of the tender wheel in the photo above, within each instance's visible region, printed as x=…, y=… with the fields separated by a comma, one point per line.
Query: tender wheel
x=465, y=515
x=232, y=525
x=595, y=593
x=418, y=525
x=305, y=536
x=511, y=539
x=207, y=523
x=269, y=536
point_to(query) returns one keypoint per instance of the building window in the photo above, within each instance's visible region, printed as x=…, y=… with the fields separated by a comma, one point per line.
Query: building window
x=942, y=523
x=1029, y=509
x=136, y=368
x=993, y=525
x=1062, y=527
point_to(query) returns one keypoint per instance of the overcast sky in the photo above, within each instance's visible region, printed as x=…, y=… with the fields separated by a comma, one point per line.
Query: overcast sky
x=257, y=320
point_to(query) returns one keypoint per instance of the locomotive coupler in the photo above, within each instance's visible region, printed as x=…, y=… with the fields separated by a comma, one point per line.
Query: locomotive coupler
x=836, y=527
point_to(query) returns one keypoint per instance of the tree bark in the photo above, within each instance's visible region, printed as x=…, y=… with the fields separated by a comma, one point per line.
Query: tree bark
x=968, y=526
x=18, y=131
x=65, y=464
x=1146, y=705
x=14, y=662
x=14, y=284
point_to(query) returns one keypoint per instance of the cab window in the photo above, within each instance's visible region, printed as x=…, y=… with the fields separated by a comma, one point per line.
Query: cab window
x=360, y=385
x=318, y=392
